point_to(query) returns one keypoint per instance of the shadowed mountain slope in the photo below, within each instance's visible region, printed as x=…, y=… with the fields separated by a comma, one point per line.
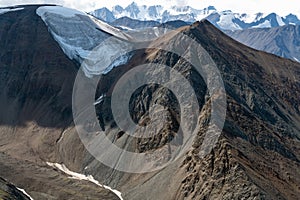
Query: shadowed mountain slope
x=36, y=80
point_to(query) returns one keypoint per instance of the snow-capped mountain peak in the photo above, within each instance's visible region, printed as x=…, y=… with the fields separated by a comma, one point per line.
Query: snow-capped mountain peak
x=155, y=12
x=227, y=19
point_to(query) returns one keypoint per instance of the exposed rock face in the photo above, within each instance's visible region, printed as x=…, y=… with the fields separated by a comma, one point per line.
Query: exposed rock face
x=262, y=124
x=256, y=157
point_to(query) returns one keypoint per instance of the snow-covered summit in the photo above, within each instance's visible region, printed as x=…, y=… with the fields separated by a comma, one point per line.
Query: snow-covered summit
x=156, y=12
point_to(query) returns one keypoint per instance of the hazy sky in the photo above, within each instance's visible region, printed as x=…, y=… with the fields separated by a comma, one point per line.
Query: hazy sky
x=282, y=7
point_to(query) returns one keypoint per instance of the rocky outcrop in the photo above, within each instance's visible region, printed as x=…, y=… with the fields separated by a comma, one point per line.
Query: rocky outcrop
x=10, y=192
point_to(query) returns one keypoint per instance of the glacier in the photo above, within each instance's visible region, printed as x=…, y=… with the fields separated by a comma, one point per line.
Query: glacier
x=79, y=35
x=226, y=21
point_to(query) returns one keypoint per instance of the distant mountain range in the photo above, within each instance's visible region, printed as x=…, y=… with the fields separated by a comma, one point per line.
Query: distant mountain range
x=282, y=41
x=225, y=20
x=270, y=33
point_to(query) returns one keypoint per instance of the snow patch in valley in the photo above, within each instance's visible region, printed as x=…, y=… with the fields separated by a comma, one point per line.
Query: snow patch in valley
x=77, y=176
x=25, y=193
x=6, y=10
x=279, y=20
x=126, y=28
x=265, y=24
